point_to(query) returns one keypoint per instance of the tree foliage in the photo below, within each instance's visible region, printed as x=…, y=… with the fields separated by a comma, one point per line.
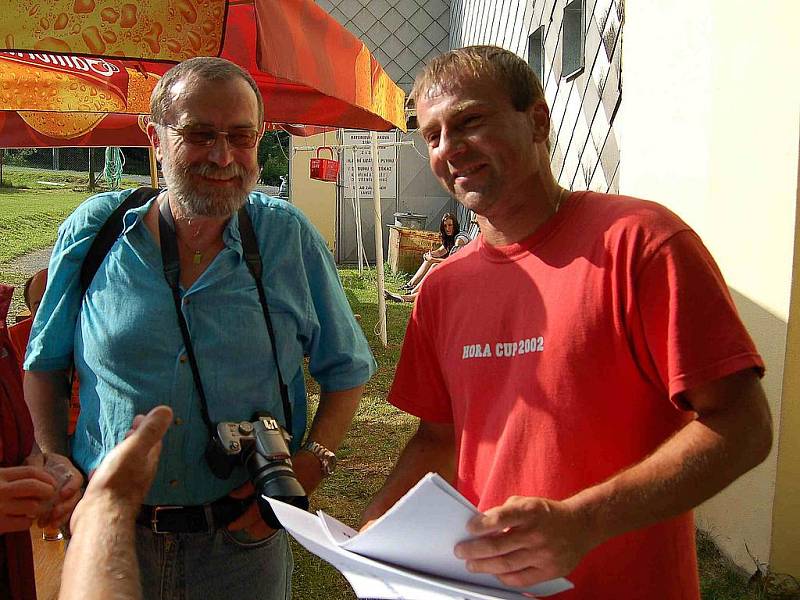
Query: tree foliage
x=273, y=152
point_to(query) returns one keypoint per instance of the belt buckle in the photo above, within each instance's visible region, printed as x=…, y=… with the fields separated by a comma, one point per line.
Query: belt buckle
x=154, y=519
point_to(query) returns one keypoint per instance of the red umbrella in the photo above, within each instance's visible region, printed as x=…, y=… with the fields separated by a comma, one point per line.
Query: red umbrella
x=309, y=68
x=51, y=130
x=26, y=129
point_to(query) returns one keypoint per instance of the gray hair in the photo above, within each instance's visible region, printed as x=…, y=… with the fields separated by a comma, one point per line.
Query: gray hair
x=207, y=68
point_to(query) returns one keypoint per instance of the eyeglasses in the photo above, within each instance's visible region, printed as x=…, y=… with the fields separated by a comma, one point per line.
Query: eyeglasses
x=205, y=137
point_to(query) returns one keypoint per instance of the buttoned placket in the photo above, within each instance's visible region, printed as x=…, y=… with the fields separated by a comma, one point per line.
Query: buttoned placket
x=184, y=395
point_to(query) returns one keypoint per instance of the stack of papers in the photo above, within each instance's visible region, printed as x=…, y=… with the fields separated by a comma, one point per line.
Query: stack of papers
x=407, y=554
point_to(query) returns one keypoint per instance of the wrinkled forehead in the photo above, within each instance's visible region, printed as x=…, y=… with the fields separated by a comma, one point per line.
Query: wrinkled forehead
x=194, y=94
x=460, y=85
x=461, y=95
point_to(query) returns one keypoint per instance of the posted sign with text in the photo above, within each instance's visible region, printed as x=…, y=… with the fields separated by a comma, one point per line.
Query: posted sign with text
x=387, y=164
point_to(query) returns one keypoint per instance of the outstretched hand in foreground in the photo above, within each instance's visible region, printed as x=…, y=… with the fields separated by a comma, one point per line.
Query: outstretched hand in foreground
x=128, y=471
x=101, y=560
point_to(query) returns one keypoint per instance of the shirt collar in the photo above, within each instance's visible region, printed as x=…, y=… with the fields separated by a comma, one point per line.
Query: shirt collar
x=230, y=235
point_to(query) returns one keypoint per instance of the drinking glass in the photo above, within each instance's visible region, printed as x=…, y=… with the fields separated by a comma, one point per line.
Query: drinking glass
x=62, y=475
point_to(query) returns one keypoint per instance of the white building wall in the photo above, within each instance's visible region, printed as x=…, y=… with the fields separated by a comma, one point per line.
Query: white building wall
x=585, y=143
x=710, y=128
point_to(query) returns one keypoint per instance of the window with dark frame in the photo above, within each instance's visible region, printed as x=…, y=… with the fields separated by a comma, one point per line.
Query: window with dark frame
x=536, y=52
x=574, y=39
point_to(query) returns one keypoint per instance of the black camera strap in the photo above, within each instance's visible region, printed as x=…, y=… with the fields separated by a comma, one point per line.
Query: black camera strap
x=172, y=273
x=253, y=259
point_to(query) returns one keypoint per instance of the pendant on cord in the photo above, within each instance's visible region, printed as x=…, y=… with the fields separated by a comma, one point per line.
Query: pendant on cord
x=198, y=256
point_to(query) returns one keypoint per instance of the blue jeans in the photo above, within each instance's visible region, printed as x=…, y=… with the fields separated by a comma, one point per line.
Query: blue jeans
x=214, y=566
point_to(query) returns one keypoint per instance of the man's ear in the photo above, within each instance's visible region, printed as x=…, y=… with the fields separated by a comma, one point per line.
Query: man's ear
x=539, y=116
x=155, y=141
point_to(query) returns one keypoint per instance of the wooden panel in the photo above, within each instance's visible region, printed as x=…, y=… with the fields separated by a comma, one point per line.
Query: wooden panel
x=406, y=247
x=48, y=558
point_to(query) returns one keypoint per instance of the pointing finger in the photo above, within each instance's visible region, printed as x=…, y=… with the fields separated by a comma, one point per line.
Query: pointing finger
x=151, y=429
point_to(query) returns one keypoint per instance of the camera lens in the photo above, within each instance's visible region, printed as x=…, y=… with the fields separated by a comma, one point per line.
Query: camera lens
x=274, y=479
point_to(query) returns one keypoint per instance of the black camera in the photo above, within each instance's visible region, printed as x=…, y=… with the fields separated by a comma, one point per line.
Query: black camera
x=262, y=446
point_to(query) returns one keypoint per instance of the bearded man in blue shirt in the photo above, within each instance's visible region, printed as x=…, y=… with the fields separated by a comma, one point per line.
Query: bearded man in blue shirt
x=199, y=536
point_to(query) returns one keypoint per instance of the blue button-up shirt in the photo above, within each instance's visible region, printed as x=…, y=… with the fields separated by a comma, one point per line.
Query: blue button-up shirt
x=130, y=356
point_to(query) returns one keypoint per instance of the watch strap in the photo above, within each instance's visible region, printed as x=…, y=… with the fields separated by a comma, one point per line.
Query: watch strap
x=326, y=457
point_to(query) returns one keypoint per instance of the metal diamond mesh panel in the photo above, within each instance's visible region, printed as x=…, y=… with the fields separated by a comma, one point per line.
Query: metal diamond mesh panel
x=402, y=35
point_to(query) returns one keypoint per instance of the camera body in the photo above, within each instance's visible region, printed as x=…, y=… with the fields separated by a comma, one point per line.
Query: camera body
x=262, y=445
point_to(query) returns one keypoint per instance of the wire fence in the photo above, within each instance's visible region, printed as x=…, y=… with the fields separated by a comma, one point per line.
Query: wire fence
x=108, y=166
x=82, y=160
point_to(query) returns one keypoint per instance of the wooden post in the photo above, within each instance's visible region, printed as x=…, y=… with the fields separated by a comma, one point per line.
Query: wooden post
x=153, y=169
x=376, y=195
x=91, y=172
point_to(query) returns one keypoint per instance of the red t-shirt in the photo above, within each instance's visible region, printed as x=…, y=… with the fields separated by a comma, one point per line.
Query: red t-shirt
x=19, y=334
x=560, y=360
x=16, y=441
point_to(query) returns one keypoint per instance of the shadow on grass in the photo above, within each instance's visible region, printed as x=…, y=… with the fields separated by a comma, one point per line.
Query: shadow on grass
x=721, y=579
x=366, y=457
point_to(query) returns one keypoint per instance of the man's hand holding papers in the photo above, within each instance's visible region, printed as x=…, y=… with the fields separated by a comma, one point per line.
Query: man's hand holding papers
x=412, y=543
x=525, y=541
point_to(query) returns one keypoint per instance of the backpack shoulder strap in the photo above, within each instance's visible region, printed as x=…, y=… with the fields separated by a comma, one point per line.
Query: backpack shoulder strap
x=109, y=233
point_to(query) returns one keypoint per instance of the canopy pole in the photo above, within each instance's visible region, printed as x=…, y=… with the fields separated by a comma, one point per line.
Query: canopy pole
x=376, y=195
x=153, y=169
x=357, y=213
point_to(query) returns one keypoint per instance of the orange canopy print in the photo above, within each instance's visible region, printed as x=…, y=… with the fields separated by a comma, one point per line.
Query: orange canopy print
x=27, y=129
x=151, y=29
x=65, y=83
x=309, y=68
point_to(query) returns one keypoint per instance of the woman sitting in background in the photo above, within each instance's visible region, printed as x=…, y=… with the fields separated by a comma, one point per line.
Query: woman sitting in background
x=448, y=229
x=451, y=242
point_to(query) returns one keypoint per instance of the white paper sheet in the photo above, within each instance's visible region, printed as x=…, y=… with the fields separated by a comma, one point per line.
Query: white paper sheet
x=411, y=544
x=372, y=579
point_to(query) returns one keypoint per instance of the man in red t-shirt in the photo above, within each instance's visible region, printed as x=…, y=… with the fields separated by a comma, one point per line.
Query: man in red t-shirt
x=596, y=383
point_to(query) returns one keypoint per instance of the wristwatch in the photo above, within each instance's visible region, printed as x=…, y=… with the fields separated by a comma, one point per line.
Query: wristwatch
x=326, y=458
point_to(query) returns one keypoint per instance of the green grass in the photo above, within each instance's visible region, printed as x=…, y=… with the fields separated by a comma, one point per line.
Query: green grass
x=376, y=437
x=29, y=220
x=35, y=179
x=30, y=214
x=720, y=579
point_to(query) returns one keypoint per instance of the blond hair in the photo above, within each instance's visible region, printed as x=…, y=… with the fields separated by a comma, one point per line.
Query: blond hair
x=498, y=65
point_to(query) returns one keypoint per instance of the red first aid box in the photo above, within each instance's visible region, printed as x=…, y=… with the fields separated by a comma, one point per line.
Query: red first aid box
x=324, y=169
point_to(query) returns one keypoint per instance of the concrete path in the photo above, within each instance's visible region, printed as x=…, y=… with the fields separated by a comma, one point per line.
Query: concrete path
x=30, y=263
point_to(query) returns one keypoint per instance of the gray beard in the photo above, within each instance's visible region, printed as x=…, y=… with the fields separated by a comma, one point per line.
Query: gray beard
x=195, y=203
